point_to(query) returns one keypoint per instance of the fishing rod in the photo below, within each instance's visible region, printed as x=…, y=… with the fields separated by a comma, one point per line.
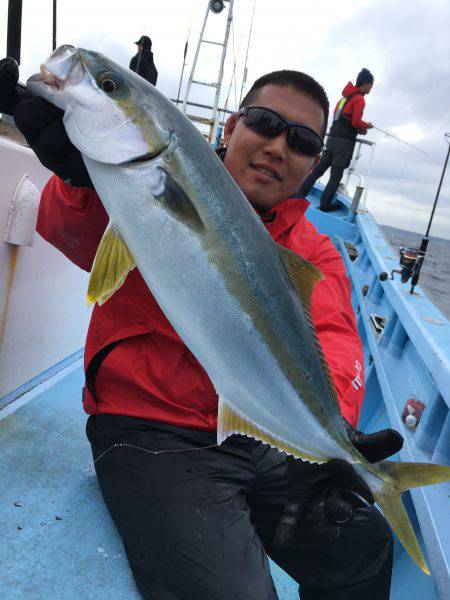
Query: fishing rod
x=244, y=75
x=399, y=139
x=184, y=64
x=411, y=258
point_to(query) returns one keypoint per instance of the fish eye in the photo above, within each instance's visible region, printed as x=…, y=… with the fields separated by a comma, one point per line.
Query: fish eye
x=109, y=82
x=108, y=85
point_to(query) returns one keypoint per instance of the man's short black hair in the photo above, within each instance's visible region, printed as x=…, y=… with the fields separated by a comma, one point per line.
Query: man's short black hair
x=295, y=79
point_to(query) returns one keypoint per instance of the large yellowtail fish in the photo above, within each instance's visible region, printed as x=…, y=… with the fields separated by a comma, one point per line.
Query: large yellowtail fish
x=239, y=301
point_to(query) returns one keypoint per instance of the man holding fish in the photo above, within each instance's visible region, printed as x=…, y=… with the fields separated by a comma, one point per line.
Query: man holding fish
x=198, y=518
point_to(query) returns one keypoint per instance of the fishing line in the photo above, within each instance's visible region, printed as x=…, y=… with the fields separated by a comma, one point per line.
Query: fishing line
x=233, y=74
x=154, y=452
x=186, y=45
x=425, y=193
x=244, y=75
x=399, y=139
x=397, y=187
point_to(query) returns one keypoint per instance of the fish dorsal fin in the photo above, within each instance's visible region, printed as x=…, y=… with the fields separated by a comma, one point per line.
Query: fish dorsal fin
x=304, y=276
x=230, y=422
x=302, y=273
x=112, y=263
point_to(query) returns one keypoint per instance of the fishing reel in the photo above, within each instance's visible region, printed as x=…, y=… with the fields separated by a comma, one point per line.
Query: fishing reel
x=411, y=259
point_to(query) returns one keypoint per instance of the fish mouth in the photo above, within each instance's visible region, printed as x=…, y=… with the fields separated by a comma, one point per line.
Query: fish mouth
x=49, y=81
x=58, y=67
x=61, y=69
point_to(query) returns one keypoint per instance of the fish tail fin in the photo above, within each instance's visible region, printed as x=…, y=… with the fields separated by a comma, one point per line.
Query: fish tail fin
x=399, y=477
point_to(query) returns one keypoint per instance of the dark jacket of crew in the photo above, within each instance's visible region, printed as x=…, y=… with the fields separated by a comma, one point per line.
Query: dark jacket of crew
x=142, y=64
x=347, y=122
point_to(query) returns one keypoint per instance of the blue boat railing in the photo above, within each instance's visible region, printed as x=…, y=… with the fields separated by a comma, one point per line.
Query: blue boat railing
x=406, y=343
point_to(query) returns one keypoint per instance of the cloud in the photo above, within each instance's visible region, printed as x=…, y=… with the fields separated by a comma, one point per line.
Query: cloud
x=406, y=47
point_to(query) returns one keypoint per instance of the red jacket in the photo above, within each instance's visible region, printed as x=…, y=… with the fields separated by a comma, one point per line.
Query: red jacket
x=135, y=362
x=354, y=107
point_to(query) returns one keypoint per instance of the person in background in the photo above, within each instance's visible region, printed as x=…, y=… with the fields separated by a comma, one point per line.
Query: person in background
x=142, y=62
x=347, y=124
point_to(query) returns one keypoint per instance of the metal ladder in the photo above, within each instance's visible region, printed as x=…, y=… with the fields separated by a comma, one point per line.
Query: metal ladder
x=213, y=122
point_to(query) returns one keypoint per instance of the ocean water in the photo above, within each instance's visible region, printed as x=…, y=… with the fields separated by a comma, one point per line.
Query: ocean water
x=435, y=272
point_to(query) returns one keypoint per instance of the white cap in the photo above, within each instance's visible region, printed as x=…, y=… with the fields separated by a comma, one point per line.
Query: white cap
x=411, y=421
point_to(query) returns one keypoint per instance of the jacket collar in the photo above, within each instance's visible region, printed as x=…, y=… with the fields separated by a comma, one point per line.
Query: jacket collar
x=285, y=214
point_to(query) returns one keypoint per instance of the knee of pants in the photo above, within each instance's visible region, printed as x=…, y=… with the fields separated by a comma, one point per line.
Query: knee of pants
x=380, y=532
x=362, y=552
x=376, y=548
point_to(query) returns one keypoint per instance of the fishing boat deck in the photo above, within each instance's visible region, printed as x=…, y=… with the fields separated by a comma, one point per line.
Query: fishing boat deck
x=58, y=539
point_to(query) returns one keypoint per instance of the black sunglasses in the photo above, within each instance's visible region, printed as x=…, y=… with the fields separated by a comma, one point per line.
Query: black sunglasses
x=267, y=122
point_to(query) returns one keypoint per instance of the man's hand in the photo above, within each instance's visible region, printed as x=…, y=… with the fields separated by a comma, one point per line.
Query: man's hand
x=369, y=125
x=11, y=92
x=375, y=446
x=42, y=125
x=323, y=498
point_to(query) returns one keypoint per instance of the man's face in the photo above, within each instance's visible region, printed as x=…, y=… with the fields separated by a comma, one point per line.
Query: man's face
x=366, y=87
x=268, y=170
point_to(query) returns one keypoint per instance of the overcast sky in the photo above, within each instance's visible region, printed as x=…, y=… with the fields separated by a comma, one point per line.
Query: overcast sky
x=405, y=43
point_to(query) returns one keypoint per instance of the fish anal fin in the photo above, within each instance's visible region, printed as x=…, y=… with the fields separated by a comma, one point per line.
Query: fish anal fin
x=177, y=202
x=230, y=422
x=112, y=263
x=393, y=510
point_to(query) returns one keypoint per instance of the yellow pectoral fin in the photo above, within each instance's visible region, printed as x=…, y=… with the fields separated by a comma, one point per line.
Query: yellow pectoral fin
x=112, y=264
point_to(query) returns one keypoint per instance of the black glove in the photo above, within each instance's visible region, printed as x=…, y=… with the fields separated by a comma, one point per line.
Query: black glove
x=42, y=126
x=375, y=446
x=323, y=498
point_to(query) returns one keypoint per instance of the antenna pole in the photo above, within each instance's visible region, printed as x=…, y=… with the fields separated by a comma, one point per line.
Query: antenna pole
x=14, y=29
x=54, y=26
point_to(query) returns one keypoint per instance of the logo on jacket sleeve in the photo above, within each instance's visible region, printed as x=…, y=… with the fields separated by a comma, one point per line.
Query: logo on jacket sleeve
x=357, y=381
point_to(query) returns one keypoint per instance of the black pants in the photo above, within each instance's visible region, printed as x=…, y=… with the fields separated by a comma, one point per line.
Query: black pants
x=197, y=519
x=337, y=155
